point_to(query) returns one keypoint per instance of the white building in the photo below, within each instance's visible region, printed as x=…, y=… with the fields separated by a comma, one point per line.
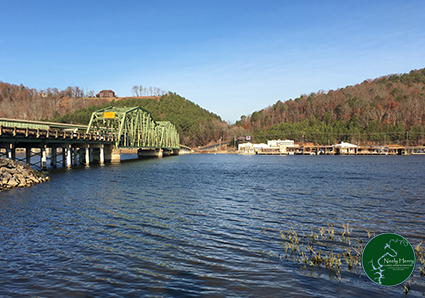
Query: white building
x=246, y=148
x=260, y=146
x=345, y=148
x=279, y=143
x=272, y=146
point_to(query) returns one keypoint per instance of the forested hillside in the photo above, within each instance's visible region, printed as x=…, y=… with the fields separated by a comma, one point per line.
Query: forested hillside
x=21, y=102
x=195, y=125
x=389, y=109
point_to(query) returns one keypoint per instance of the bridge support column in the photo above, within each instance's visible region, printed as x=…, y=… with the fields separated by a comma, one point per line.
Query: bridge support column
x=43, y=158
x=116, y=155
x=28, y=155
x=102, y=155
x=11, y=151
x=63, y=157
x=87, y=159
x=68, y=157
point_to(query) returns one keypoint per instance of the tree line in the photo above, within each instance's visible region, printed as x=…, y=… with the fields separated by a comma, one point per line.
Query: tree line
x=139, y=90
x=21, y=102
x=20, y=92
x=386, y=110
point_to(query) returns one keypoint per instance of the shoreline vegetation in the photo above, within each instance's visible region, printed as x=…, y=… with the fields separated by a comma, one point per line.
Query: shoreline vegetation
x=337, y=250
x=14, y=174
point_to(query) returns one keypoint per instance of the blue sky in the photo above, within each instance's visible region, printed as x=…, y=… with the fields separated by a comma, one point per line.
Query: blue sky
x=229, y=57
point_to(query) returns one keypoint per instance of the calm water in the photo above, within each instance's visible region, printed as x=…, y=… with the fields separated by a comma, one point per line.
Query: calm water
x=199, y=225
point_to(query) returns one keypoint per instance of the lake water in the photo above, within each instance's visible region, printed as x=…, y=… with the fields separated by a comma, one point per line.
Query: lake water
x=203, y=226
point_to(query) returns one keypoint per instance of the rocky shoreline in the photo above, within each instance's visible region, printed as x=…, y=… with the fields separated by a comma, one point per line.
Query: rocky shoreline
x=14, y=174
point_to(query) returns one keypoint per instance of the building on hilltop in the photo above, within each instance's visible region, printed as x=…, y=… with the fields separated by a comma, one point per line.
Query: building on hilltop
x=106, y=93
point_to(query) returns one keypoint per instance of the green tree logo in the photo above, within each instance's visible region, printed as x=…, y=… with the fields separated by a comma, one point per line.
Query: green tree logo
x=388, y=259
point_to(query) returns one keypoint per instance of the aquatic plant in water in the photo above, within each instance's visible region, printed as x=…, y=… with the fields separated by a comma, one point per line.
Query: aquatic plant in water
x=325, y=248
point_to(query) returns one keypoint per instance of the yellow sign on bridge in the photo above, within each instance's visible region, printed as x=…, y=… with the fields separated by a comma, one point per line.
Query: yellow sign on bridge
x=109, y=115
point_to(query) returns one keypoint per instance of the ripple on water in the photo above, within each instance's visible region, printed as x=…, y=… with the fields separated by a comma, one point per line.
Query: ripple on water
x=199, y=225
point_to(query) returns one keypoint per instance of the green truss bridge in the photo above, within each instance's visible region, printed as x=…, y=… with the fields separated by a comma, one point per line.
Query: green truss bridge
x=135, y=128
x=111, y=131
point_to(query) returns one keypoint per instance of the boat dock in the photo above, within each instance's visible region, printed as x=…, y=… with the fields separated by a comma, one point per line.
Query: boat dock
x=338, y=149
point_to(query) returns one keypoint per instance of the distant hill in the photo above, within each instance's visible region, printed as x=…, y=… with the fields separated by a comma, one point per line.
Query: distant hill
x=196, y=125
x=389, y=109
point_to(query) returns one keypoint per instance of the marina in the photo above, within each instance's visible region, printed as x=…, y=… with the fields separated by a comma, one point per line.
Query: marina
x=289, y=147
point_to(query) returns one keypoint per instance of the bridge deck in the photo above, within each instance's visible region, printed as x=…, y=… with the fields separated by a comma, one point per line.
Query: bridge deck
x=94, y=143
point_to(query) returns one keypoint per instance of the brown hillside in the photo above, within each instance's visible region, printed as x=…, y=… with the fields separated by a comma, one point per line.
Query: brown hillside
x=20, y=102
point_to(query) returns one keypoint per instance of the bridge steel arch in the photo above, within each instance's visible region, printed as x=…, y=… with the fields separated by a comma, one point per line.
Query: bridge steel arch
x=168, y=135
x=134, y=128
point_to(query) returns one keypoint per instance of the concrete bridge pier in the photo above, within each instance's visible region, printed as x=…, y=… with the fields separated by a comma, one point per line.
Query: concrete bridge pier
x=102, y=155
x=107, y=153
x=69, y=156
x=28, y=155
x=149, y=153
x=167, y=152
x=115, y=155
x=87, y=155
x=43, y=157
x=11, y=151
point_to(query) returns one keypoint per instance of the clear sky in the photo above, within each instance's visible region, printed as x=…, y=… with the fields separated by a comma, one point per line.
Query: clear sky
x=229, y=57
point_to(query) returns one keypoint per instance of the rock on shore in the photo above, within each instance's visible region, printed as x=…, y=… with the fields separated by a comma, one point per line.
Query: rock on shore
x=14, y=174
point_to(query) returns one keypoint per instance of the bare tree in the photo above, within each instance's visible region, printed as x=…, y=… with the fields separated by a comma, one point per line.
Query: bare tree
x=135, y=90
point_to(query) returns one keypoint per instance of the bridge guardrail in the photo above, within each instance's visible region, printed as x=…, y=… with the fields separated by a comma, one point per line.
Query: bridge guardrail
x=6, y=131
